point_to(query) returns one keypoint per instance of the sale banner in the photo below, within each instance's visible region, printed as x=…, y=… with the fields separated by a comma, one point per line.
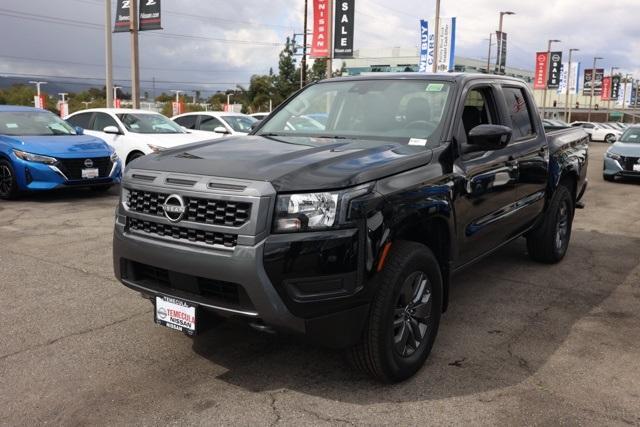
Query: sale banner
x=321, y=29
x=540, y=77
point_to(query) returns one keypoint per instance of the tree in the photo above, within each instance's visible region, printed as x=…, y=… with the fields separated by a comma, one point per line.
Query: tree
x=318, y=70
x=287, y=80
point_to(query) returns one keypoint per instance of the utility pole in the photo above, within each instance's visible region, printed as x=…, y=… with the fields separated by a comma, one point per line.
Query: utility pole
x=567, y=102
x=436, y=38
x=499, y=42
x=544, y=96
x=303, y=65
x=330, y=57
x=108, y=53
x=609, y=94
x=489, y=54
x=593, y=86
x=135, y=60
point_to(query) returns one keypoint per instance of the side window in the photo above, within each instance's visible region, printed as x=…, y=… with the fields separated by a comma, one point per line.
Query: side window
x=209, y=123
x=518, y=109
x=479, y=109
x=588, y=126
x=102, y=120
x=81, y=120
x=188, y=122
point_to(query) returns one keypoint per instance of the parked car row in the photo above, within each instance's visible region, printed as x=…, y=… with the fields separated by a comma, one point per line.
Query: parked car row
x=603, y=132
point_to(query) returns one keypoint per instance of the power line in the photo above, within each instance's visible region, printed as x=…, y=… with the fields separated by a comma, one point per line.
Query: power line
x=26, y=75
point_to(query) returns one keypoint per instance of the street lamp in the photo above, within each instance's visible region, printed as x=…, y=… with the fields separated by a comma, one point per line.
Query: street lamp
x=544, y=97
x=593, y=85
x=609, y=94
x=567, y=102
x=499, y=41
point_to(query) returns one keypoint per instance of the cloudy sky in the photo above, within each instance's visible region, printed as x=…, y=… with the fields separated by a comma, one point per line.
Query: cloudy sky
x=216, y=44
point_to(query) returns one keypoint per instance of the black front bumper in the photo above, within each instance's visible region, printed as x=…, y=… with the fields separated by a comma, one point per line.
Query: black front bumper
x=306, y=284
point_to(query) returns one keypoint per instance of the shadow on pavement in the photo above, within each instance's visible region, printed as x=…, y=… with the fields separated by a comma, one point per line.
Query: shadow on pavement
x=507, y=316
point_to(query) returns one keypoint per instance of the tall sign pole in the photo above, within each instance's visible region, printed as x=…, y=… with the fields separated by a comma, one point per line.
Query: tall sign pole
x=135, y=61
x=303, y=79
x=108, y=52
x=544, y=96
x=567, y=104
x=330, y=40
x=437, y=36
x=593, y=86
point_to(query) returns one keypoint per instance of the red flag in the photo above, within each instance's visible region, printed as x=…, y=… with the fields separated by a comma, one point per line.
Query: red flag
x=321, y=28
x=606, y=88
x=540, y=79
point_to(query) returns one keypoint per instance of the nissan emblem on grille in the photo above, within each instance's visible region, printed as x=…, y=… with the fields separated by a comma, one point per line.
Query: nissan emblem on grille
x=174, y=208
x=88, y=163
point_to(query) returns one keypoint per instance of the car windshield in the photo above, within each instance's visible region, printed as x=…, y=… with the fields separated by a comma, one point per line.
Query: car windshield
x=30, y=123
x=149, y=123
x=631, y=135
x=240, y=123
x=365, y=109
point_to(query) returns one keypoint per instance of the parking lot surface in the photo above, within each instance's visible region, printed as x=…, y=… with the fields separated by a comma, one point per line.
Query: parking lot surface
x=522, y=343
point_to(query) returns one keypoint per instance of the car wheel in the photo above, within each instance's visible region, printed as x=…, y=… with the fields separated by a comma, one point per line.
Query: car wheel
x=133, y=156
x=8, y=183
x=549, y=242
x=404, y=316
x=610, y=138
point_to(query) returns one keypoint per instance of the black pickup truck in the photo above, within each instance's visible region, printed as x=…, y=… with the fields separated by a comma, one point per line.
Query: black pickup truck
x=344, y=215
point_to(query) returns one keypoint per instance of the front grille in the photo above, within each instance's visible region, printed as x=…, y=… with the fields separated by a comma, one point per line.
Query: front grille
x=628, y=162
x=200, y=289
x=182, y=233
x=72, y=168
x=204, y=211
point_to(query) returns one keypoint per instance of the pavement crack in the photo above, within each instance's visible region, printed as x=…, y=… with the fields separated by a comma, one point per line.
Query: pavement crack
x=274, y=408
x=74, y=334
x=328, y=419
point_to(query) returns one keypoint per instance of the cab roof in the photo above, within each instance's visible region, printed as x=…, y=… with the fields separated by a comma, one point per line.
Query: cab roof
x=445, y=77
x=18, y=108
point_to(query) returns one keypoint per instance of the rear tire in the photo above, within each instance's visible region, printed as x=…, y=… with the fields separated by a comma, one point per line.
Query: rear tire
x=549, y=241
x=8, y=182
x=404, y=316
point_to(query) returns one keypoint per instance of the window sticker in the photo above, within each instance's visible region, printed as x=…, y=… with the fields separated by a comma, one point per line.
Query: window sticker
x=12, y=125
x=434, y=87
x=418, y=142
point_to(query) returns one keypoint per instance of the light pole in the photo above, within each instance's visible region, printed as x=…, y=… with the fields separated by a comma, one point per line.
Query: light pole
x=610, y=88
x=177, y=92
x=593, y=85
x=108, y=53
x=437, y=36
x=567, y=102
x=115, y=93
x=544, y=96
x=38, y=84
x=86, y=104
x=499, y=42
x=489, y=53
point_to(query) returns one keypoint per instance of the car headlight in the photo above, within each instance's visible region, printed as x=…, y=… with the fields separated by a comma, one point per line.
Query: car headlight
x=30, y=157
x=314, y=211
x=613, y=156
x=155, y=148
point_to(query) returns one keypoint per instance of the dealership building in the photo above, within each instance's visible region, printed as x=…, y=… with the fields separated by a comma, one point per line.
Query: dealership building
x=406, y=59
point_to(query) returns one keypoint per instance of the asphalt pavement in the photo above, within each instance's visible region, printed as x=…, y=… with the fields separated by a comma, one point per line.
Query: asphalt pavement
x=522, y=343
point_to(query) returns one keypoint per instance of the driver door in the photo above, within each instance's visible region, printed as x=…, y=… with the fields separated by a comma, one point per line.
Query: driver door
x=487, y=179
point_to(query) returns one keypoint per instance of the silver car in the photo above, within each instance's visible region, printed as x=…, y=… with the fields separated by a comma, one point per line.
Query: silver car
x=622, y=159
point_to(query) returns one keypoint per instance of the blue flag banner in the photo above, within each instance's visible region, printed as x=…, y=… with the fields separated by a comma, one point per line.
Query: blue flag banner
x=425, y=65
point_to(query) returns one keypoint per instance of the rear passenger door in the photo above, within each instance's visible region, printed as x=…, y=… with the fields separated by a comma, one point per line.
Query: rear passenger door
x=488, y=178
x=209, y=124
x=530, y=150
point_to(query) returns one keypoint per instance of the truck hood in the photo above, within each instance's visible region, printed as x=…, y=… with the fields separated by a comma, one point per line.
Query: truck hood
x=60, y=145
x=627, y=149
x=291, y=163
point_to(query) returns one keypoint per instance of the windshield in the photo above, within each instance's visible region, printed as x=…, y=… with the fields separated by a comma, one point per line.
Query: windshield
x=240, y=123
x=390, y=109
x=149, y=123
x=631, y=135
x=29, y=123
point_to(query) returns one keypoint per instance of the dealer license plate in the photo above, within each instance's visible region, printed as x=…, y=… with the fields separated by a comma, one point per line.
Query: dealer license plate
x=176, y=314
x=636, y=168
x=90, y=173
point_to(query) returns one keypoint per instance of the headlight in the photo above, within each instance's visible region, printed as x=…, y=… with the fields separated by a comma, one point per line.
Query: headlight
x=35, y=157
x=613, y=156
x=155, y=148
x=315, y=211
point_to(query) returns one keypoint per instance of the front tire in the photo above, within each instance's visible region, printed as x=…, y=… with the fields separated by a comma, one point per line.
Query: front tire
x=8, y=182
x=610, y=138
x=404, y=316
x=548, y=243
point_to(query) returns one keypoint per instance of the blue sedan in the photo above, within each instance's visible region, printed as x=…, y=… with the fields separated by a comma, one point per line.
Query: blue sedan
x=39, y=151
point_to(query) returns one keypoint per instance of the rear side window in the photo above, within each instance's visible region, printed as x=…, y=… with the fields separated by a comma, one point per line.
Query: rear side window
x=518, y=108
x=209, y=123
x=188, y=122
x=81, y=120
x=103, y=120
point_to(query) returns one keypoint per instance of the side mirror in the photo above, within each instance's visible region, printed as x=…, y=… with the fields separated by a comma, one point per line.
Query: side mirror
x=221, y=129
x=254, y=125
x=79, y=130
x=488, y=137
x=112, y=130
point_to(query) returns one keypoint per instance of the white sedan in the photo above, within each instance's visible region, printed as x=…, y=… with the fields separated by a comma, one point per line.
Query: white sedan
x=599, y=132
x=218, y=122
x=133, y=133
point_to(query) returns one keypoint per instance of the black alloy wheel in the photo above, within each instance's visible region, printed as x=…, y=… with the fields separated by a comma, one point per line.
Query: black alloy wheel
x=412, y=315
x=8, y=184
